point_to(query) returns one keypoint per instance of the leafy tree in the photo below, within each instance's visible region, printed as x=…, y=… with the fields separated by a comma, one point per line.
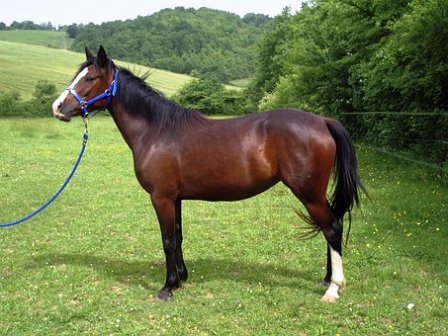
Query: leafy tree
x=39, y=106
x=43, y=90
x=29, y=25
x=409, y=72
x=356, y=55
x=410, y=69
x=258, y=20
x=330, y=37
x=72, y=30
x=208, y=95
x=43, y=96
x=182, y=40
x=10, y=104
x=271, y=50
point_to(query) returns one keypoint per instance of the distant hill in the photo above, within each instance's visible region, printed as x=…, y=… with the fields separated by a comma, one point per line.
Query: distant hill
x=183, y=40
x=51, y=39
x=23, y=65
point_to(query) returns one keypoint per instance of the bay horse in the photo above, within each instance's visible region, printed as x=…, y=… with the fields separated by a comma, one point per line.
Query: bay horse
x=179, y=154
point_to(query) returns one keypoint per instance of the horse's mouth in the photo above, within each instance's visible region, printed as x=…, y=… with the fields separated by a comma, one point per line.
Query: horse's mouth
x=64, y=117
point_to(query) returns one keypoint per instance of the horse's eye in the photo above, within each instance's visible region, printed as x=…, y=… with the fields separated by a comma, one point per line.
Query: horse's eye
x=90, y=79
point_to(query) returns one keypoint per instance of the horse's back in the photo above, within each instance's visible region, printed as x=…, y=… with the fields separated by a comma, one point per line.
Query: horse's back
x=240, y=157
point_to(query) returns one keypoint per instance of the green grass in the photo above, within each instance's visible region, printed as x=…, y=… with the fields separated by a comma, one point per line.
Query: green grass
x=42, y=38
x=23, y=65
x=92, y=262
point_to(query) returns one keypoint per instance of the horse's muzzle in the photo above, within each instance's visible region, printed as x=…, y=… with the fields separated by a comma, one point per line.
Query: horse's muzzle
x=58, y=113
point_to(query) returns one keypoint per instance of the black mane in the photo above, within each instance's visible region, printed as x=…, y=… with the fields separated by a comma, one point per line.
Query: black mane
x=142, y=100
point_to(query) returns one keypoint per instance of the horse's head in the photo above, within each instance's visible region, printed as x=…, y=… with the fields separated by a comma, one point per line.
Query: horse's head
x=95, y=79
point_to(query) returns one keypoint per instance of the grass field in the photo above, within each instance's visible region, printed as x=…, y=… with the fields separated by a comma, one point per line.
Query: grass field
x=23, y=65
x=50, y=39
x=92, y=262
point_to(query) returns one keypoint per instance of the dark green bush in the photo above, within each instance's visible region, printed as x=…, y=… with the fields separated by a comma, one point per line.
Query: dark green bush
x=44, y=94
x=207, y=95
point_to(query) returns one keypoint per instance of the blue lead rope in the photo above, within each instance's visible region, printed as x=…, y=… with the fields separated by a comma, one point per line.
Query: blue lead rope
x=61, y=188
x=108, y=94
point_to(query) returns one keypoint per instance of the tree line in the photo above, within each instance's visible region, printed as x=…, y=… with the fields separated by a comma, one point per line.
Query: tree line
x=181, y=40
x=27, y=25
x=379, y=66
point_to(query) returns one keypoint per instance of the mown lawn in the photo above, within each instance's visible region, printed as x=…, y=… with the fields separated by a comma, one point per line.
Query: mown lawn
x=92, y=262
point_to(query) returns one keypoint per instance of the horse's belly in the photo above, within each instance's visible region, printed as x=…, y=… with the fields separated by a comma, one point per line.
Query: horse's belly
x=230, y=163
x=226, y=181
x=225, y=192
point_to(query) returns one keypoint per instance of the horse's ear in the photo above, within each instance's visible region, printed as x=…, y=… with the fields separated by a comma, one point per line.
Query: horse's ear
x=101, y=58
x=89, y=55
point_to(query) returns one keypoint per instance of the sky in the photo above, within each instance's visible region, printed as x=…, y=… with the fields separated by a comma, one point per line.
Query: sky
x=60, y=12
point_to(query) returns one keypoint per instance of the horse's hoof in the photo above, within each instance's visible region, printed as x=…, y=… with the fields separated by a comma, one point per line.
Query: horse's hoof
x=183, y=277
x=328, y=298
x=165, y=294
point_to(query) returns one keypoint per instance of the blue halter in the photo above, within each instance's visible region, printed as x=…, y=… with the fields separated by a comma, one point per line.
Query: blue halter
x=110, y=92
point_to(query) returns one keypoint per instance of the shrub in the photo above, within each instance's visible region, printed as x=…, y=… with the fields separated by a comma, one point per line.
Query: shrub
x=39, y=106
x=10, y=104
x=208, y=95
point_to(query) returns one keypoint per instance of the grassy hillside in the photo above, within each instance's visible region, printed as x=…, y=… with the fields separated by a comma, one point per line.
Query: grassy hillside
x=42, y=38
x=23, y=65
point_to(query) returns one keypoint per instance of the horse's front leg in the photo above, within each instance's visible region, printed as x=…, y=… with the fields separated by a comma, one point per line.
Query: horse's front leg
x=181, y=268
x=165, y=210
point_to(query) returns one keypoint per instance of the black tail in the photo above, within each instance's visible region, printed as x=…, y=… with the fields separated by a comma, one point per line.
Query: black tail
x=347, y=181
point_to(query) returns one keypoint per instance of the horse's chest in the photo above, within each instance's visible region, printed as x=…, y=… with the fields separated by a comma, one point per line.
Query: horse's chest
x=158, y=169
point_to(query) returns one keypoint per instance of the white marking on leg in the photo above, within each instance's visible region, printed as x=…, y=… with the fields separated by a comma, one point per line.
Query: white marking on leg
x=58, y=102
x=337, y=277
x=337, y=273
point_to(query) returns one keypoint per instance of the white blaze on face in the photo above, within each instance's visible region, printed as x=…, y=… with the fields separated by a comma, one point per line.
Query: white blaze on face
x=58, y=102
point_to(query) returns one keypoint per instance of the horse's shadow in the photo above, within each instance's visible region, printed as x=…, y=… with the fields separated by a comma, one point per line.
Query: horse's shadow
x=150, y=273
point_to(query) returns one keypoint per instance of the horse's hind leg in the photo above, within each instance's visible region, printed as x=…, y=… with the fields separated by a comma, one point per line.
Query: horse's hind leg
x=326, y=281
x=313, y=197
x=323, y=217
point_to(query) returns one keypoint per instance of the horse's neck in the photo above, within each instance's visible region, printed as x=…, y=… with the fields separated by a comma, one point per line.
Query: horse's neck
x=133, y=129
